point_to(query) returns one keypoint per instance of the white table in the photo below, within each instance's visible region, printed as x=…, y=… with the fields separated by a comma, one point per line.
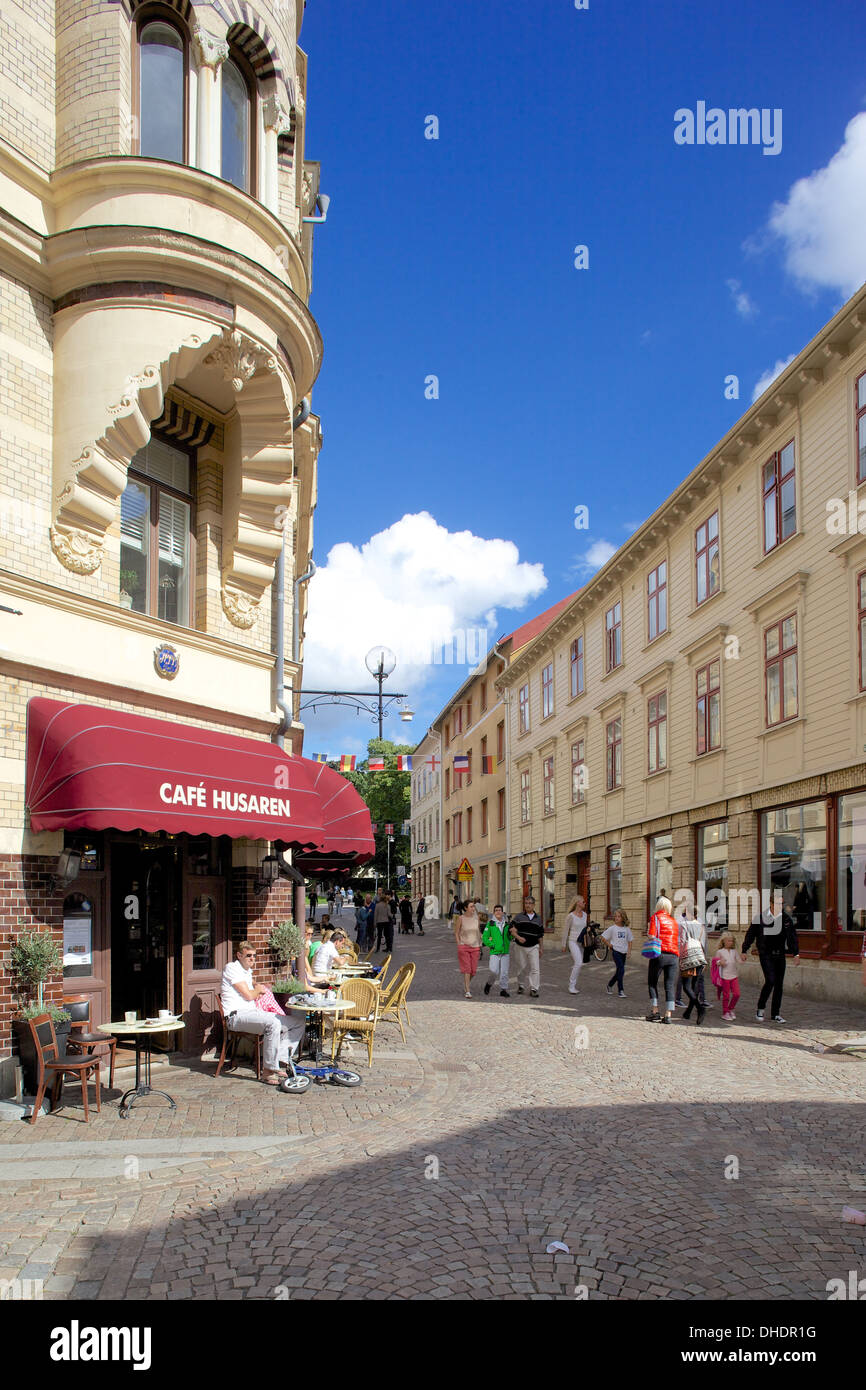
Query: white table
x=141, y=1033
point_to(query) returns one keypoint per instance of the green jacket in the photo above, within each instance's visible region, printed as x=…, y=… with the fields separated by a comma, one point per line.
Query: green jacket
x=496, y=938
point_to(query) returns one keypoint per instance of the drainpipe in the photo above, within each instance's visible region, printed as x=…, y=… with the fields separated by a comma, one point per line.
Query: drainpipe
x=504, y=659
x=298, y=419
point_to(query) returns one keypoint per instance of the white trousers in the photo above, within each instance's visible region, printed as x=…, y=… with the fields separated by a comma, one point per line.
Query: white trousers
x=526, y=960
x=499, y=967
x=577, y=956
x=279, y=1034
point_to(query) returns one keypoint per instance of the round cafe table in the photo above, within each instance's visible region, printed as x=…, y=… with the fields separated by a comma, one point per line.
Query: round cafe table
x=142, y=1033
x=317, y=1013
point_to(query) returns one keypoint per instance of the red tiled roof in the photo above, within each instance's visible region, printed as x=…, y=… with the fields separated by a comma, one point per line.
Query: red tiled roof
x=528, y=631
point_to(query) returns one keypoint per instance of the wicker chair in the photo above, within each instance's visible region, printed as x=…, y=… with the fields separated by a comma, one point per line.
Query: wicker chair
x=383, y=971
x=365, y=958
x=361, y=1018
x=393, y=1000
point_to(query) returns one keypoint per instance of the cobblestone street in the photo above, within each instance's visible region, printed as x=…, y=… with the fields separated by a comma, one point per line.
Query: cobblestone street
x=682, y=1162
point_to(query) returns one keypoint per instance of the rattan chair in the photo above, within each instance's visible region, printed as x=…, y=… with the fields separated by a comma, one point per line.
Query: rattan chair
x=361, y=1018
x=383, y=971
x=392, y=1001
x=365, y=958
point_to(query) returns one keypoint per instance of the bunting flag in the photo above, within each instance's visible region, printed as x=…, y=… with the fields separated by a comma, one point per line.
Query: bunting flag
x=347, y=762
x=318, y=757
x=434, y=762
x=376, y=765
x=374, y=826
x=389, y=829
x=461, y=762
x=488, y=764
x=406, y=828
x=404, y=762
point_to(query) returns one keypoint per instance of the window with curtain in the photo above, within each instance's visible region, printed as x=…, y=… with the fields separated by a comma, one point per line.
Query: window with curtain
x=237, y=126
x=155, y=531
x=162, y=68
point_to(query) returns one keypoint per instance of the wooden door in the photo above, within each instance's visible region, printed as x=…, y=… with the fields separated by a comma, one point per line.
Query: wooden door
x=583, y=879
x=204, y=956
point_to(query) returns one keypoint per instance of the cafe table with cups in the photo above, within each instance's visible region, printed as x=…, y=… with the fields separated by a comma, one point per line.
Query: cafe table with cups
x=142, y=1032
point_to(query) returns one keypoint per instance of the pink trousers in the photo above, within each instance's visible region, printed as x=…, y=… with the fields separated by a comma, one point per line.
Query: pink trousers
x=730, y=995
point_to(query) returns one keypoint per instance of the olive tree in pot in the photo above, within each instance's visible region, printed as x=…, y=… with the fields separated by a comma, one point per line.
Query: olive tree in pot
x=286, y=943
x=35, y=957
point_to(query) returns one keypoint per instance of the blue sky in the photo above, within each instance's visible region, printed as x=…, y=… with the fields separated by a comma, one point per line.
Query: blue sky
x=557, y=386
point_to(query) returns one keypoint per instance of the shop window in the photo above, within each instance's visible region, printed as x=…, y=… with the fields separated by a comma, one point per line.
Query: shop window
x=657, y=731
x=780, y=671
x=548, y=886
x=578, y=772
x=780, y=497
x=860, y=423
x=163, y=82
x=525, y=806
x=238, y=123
x=77, y=936
x=661, y=868
x=657, y=601
x=523, y=710
x=712, y=861
x=547, y=691
x=794, y=862
x=708, y=707
x=852, y=862
x=156, y=518
x=613, y=740
x=614, y=878
x=707, y=559
x=547, y=767
x=613, y=637
x=577, y=667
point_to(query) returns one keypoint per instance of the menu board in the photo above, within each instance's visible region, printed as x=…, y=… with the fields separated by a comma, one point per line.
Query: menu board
x=77, y=941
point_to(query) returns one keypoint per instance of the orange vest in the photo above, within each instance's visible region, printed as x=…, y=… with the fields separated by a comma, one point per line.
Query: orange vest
x=665, y=928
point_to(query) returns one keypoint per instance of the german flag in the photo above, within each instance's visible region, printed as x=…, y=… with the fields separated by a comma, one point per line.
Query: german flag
x=488, y=765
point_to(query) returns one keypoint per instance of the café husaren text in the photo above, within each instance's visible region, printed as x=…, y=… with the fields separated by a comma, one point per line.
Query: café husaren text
x=178, y=794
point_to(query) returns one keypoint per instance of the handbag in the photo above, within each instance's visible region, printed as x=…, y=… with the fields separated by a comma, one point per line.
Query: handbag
x=692, y=956
x=652, y=948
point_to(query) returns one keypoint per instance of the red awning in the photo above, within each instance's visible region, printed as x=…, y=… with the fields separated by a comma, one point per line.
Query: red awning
x=101, y=769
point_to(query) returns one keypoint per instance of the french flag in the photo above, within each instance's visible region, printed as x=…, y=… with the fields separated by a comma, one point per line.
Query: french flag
x=404, y=762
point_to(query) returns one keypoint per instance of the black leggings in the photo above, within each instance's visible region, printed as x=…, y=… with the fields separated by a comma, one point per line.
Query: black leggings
x=774, y=981
x=692, y=987
x=668, y=964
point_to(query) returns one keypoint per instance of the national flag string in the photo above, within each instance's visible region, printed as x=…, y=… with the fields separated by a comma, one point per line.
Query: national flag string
x=347, y=762
x=376, y=765
x=404, y=762
x=318, y=757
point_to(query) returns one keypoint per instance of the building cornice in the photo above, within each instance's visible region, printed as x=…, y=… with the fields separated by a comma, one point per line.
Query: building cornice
x=821, y=358
x=794, y=584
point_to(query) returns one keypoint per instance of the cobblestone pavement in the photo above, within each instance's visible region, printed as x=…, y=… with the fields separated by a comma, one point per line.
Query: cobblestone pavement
x=677, y=1162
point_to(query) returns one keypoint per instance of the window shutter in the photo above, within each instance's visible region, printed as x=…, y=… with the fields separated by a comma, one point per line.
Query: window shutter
x=173, y=530
x=134, y=506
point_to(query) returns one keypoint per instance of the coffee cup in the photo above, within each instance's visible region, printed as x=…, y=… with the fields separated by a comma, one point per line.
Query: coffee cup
x=130, y=1016
x=166, y=1013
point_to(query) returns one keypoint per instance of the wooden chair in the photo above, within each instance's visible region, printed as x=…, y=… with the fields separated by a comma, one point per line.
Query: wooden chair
x=53, y=1067
x=236, y=1035
x=81, y=1036
x=383, y=971
x=393, y=1000
x=361, y=1018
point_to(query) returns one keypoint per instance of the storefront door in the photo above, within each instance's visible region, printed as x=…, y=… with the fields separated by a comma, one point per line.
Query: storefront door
x=583, y=880
x=145, y=879
x=204, y=956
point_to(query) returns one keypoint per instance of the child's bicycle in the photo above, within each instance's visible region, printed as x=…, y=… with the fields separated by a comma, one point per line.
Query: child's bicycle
x=300, y=1078
x=594, y=946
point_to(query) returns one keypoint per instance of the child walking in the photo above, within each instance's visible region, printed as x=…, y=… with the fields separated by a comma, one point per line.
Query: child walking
x=730, y=985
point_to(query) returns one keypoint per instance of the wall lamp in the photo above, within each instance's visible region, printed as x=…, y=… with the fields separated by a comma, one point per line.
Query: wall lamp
x=270, y=872
x=66, y=870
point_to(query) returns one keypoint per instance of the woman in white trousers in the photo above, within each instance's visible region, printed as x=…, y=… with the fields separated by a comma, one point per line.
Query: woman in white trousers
x=576, y=924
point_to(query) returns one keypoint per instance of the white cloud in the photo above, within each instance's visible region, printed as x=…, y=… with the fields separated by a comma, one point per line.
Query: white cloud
x=594, y=558
x=763, y=382
x=821, y=222
x=414, y=587
x=743, y=304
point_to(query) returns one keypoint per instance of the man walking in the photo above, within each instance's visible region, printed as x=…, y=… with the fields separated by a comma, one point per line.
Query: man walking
x=526, y=934
x=314, y=903
x=383, y=922
x=495, y=937
x=774, y=940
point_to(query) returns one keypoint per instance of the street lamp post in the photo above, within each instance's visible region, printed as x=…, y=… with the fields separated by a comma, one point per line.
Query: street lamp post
x=385, y=661
x=380, y=662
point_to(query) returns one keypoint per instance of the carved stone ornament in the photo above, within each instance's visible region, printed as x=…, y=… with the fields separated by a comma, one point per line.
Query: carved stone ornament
x=210, y=52
x=276, y=116
x=307, y=194
x=239, y=358
x=240, y=609
x=76, y=551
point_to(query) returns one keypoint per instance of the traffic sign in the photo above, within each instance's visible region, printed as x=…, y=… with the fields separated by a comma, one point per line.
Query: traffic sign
x=465, y=869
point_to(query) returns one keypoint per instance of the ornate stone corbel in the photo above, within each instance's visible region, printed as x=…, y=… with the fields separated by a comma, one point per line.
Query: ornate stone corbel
x=210, y=52
x=240, y=609
x=276, y=115
x=239, y=358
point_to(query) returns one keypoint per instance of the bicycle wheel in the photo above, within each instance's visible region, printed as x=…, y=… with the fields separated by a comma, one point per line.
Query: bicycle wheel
x=295, y=1085
x=600, y=953
x=345, y=1078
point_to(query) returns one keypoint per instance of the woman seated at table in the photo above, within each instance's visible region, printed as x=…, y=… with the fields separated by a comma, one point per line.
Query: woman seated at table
x=329, y=955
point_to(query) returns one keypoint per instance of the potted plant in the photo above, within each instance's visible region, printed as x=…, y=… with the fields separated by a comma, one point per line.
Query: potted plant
x=286, y=943
x=35, y=956
x=129, y=581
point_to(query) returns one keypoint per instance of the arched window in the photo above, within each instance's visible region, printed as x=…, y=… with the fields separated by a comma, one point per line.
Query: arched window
x=162, y=89
x=238, y=117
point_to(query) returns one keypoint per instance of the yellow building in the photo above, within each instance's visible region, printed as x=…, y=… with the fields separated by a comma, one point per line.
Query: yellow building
x=158, y=462
x=695, y=718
